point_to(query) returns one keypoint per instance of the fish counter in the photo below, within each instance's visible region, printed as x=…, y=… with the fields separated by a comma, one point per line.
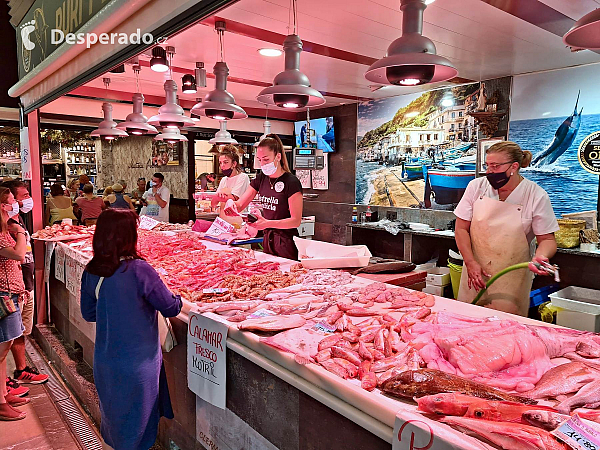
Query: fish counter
x=321, y=357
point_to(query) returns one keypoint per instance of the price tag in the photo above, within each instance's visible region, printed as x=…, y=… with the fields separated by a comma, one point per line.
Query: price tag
x=577, y=434
x=324, y=327
x=206, y=364
x=218, y=227
x=147, y=223
x=215, y=291
x=261, y=313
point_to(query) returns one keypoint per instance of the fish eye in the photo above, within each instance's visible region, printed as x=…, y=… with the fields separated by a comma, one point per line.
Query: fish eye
x=478, y=413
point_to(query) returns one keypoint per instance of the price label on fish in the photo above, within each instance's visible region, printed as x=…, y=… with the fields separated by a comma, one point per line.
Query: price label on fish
x=219, y=227
x=147, y=223
x=578, y=435
x=206, y=362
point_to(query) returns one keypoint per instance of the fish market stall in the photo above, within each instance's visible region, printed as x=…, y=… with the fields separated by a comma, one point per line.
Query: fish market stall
x=321, y=358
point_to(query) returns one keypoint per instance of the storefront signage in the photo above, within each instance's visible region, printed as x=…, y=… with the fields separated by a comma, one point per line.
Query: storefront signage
x=34, y=33
x=589, y=153
x=25, y=155
x=206, y=362
x=59, y=264
x=578, y=435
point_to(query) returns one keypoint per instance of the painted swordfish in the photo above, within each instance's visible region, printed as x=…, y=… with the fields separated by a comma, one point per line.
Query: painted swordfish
x=563, y=138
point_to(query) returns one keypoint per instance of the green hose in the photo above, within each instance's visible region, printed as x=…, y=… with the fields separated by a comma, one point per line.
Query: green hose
x=524, y=265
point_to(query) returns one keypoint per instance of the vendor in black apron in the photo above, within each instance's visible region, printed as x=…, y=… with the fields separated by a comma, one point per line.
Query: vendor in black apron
x=279, y=197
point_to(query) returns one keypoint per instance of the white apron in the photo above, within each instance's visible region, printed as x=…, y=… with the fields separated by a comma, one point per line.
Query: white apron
x=498, y=241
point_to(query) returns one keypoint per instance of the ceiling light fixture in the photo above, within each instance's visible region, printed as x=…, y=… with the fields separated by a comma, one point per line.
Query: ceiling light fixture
x=107, y=128
x=159, y=63
x=270, y=52
x=223, y=136
x=585, y=33
x=411, y=59
x=172, y=135
x=219, y=104
x=200, y=75
x=188, y=84
x=170, y=114
x=266, y=127
x=136, y=123
x=291, y=88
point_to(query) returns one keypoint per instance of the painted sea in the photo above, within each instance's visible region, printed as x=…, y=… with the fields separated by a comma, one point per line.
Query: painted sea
x=570, y=187
x=365, y=173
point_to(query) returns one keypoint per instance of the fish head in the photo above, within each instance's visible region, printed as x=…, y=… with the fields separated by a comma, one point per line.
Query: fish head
x=546, y=420
x=445, y=404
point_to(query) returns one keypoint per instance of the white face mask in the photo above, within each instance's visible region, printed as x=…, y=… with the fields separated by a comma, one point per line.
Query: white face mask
x=269, y=168
x=14, y=211
x=27, y=205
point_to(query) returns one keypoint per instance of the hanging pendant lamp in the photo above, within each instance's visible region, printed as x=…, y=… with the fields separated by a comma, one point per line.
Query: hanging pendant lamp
x=266, y=127
x=171, y=135
x=170, y=114
x=107, y=129
x=222, y=136
x=585, y=33
x=411, y=59
x=291, y=88
x=136, y=123
x=220, y=104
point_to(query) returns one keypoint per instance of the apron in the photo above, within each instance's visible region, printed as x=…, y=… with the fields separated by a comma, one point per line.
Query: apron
x=498, y=241
x=280, y=243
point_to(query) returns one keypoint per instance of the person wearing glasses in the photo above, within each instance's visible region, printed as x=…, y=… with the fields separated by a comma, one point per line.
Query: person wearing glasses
x=497, y=220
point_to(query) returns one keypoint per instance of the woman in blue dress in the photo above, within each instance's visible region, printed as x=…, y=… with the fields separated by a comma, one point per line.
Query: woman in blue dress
x=123, y=294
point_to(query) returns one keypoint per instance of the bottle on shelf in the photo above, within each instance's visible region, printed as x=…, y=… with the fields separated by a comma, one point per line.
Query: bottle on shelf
x=368, y=214
x=354, y=214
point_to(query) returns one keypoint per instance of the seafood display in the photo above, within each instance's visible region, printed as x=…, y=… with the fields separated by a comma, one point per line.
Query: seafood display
x=63, y=232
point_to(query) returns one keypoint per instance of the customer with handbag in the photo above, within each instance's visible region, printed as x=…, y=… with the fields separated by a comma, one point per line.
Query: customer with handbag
x=123, y=294
x=12, y=252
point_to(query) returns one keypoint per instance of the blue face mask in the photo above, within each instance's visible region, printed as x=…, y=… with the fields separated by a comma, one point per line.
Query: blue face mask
x=152, y=184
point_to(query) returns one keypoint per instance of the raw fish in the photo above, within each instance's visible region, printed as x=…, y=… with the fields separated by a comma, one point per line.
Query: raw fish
x=302, y=342
x=348, y=366
x=335, y=368
x=588, y=349
x=329, y=341
x=418, y=383
x=563, y=379
x=548, y=420
x=273, y=323
x=587, y=395
x=506, y=435
x=348, y=355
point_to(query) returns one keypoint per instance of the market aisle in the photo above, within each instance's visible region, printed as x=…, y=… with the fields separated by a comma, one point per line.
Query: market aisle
x=46, y=427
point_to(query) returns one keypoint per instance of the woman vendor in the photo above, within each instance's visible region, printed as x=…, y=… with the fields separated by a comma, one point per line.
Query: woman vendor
x=233, y=184
x=497, y=219
x=279, y=199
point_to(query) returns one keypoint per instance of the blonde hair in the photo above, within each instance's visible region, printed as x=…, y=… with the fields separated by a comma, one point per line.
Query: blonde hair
x=513, y=151
x=273, y=143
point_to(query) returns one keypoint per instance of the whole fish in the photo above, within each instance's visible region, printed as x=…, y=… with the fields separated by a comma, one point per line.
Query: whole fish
x=418, y=383
x=453, y=404
x=388, y=363
x=364, y=352
x=563, y=379
x=587, y=395
x=335, y=368
x=588, y=349
x=348, y=366
x=507, y=435
x=329, y=341
x=273, y=323
x=323, y=355
x=348, y=355
x=368, y=381
x=548, y=420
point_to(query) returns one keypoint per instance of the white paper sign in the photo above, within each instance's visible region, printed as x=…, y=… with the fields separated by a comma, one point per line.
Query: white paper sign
x=47, y=259
x=59, y=264
x=206, y=363
x=147, y=223
x=218, y=227
x=578, y=435
x=320, y=178
x=75, y=318
x=26, y=171
x=304, y=177
x=73, y=272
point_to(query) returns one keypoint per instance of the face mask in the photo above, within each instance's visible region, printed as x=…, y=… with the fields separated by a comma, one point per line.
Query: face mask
x=497, y=180
x=152, y=184
x=14, y=211
x=227, y=172
x=27, y=205
x=269, y=169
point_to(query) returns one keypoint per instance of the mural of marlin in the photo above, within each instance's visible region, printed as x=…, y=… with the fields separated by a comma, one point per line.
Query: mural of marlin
x=563, y=138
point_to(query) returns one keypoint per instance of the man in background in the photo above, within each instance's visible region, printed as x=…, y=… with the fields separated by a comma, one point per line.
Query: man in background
x=156, y=199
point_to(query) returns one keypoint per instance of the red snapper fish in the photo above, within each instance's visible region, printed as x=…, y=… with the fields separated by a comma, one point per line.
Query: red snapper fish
x=455, y=404
x=507, y=435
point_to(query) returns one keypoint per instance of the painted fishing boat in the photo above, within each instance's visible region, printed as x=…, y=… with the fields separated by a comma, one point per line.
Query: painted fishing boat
x=447, y=184
x=563, y=138
x=413, y=171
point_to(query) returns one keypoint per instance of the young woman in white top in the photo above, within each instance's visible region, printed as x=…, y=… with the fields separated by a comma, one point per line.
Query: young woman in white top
x=497, y=219
x=233, y=184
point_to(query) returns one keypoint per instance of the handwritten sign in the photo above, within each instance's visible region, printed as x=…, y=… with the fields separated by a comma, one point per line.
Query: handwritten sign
x=206, y=362
x=578, y=435
x=47, y=259
x=320, y=178
x=59, y=264
x=147, y=223
x=218, y=227
x=304, y=177
x=73, y=272
x=26, y=172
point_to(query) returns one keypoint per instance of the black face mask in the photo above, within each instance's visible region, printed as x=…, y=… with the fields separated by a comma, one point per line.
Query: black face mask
x=227, y=172
x=497, y=180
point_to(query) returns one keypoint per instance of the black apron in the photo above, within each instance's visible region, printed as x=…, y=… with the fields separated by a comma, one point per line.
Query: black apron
x=280, y=243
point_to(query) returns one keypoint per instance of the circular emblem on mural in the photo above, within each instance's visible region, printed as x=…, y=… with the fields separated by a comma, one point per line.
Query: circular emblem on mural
x=589, y=153
x=279, y=186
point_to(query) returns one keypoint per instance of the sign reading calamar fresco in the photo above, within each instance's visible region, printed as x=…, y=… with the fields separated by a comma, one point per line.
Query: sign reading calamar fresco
x=45, y=17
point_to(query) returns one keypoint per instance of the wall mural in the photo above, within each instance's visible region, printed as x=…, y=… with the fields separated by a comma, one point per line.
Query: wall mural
x=551, y=113
x=420, y=149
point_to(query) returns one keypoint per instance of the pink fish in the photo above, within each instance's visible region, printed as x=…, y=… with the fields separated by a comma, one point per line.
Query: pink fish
x=350, y=337
x=329, y=341
x=360, y=312
x=323, y=355
x=364, y=352
x=333, y=318
x=335, y=368
x=348, y=355
x=368, y=381
x=273, y=323
x=379, y=341
x=388, y=363
x=348, y=366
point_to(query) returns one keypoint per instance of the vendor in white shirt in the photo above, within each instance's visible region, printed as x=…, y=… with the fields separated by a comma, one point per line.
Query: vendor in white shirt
x=496, y=221
x=156, y=199
x=233, y=184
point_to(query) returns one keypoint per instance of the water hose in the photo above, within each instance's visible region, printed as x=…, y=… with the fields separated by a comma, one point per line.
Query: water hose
x=523, y=265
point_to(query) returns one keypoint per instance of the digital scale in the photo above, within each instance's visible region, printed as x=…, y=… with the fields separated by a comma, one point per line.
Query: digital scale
x=308, y=158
